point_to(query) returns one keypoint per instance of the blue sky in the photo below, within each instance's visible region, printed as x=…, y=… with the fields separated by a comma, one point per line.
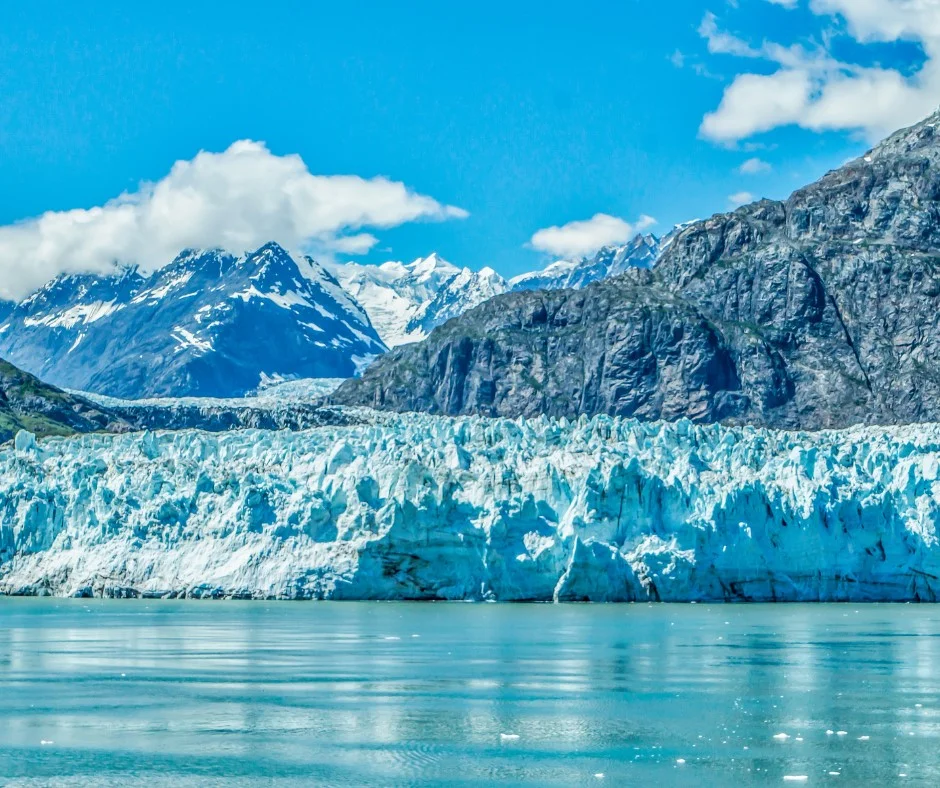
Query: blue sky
x=524, y=115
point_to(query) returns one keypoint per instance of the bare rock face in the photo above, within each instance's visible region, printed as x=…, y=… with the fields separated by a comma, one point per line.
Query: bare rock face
x=819, y=311
x=28, y=404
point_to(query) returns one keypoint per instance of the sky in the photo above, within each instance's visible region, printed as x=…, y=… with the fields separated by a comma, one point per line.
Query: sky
x=495, y=133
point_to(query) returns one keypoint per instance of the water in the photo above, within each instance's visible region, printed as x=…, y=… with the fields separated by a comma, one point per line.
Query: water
x=227, y=693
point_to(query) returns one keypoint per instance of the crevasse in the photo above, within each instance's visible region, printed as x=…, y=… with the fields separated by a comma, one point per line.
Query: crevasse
x=421, y=507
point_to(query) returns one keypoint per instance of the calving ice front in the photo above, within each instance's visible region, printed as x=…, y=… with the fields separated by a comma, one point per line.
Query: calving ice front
x=420, y=507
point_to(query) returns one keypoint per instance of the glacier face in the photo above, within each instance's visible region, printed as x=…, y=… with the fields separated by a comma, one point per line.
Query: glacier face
x=292, y=405
x=419, y=507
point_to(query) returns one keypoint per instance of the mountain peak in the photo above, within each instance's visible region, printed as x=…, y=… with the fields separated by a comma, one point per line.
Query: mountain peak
x=208, y=324
x=272, y=249
x=432, y=264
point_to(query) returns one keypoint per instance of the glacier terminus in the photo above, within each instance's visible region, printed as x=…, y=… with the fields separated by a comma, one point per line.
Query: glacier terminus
x=435, y=508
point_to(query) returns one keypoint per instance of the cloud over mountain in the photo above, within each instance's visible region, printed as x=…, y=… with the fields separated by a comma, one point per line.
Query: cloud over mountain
x=237, y=199
x=581, y=238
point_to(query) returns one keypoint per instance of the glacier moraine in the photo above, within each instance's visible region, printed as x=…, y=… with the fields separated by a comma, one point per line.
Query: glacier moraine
x=420, y=507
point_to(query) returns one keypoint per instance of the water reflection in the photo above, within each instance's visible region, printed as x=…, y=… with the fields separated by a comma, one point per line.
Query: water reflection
x=133, y=693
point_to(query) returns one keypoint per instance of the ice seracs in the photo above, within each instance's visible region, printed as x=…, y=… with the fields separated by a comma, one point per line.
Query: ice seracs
x=421, y=507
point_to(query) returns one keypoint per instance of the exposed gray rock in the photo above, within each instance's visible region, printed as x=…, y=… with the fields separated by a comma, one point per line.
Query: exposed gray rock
x=28, y=404
x=818, y=311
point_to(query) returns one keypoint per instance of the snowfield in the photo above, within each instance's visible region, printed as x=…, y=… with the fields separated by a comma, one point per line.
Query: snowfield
x=419, y=507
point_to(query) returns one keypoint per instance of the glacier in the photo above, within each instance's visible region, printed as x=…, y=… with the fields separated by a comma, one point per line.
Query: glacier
x=433, y=508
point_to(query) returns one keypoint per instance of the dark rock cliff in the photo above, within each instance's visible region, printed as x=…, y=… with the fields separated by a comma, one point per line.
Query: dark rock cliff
x=818, y=311
x=28, y=404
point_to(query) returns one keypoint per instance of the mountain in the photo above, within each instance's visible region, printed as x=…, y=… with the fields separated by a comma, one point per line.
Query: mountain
x=28, y=404
x=394, y=293
x=208, y=324
x=819, y=311
x=406, y=301
x=642, y=252
x=464, y=291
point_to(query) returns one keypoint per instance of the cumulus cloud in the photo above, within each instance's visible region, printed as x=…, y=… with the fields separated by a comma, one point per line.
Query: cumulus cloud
x=815, y=90
x=577, y=239
x=238, y=200
x=740, y=198
x=754, y=166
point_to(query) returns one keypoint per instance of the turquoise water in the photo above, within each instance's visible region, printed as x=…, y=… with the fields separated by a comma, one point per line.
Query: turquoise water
x=229, y=693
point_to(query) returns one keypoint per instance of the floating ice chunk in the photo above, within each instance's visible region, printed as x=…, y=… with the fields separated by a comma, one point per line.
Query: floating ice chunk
x=842, y=733
x=864, y=738
x=781, y=736
x=830, y=733
x=45, y=742
x=599, y=775
x=680, y=761
x=834, y=774
x=509, y=737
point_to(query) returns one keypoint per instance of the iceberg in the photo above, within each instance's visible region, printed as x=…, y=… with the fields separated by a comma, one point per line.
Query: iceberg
x=433, y=508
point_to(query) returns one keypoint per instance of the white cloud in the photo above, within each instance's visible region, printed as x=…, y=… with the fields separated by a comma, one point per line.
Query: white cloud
x=754, y=166
x=238, y=199
x=814, y=90
x=740, y=198
x=354, y=244
x=577, y=239
x=789, y=4
x=721, y=43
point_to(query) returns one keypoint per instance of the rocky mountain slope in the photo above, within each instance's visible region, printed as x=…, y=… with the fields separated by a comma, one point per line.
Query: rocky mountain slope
x=28, y=404
x=822, y=310
x=208, y=324
x=415, y=507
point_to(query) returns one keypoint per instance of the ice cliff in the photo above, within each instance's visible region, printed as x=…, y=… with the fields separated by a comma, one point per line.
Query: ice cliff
x=419, y=507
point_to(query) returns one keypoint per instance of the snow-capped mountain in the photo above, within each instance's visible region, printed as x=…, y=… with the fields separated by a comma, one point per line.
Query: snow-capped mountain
x=208, y=324
x=642, y=252
x=465, y=291
x=216, y=324
x=406, y=301
x=5, y=308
